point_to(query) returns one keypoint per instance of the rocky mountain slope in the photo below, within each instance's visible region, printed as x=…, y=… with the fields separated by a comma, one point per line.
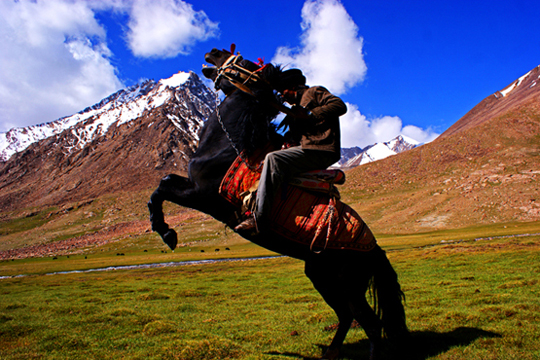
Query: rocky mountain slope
x=126, y=142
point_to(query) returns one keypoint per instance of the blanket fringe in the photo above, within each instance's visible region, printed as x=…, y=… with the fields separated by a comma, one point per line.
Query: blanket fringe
x=328, y=217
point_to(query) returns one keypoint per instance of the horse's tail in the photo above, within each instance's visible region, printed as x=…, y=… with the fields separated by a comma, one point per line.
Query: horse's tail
x=388, y=298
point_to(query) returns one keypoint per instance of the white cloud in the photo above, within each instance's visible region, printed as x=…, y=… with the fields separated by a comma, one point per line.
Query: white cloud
x=166, y=28
x=358, y=130
x=419, y=134
x=331, y=49
x=330, y=54
x=54, y=61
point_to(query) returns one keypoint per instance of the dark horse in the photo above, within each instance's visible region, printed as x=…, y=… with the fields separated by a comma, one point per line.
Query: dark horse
x=242, y=122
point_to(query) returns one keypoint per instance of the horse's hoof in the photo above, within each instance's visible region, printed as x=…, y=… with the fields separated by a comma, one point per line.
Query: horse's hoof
x=330, y=354
x=374, y=354
x=171, y=239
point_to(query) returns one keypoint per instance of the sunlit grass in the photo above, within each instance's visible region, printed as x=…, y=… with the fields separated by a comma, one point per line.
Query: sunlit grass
x=472, y=293
x=471, y=300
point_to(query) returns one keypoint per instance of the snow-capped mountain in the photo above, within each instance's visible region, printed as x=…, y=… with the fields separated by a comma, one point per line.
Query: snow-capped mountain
x=349, y=153
x=376, y=151
x=119, y=108
x=126, y=142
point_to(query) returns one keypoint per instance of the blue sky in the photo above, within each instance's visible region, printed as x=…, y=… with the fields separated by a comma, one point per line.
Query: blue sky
x=403, y=67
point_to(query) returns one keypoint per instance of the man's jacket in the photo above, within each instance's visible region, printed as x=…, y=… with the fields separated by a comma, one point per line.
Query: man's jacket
x=321, y=130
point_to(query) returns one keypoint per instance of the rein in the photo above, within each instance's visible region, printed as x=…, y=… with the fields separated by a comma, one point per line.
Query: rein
x=238, y=152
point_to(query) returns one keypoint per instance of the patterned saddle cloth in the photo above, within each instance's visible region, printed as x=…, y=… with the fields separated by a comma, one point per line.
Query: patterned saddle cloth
x=307, y=210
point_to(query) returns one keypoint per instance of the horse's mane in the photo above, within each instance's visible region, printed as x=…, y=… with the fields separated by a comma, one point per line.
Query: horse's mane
x=255, y=128
x=272, y=74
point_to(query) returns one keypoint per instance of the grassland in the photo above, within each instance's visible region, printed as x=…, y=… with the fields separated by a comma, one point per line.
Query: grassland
x=472, y=292
x=473, y=299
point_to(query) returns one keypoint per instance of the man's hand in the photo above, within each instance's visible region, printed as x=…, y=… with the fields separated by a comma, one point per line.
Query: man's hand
x=300, y=112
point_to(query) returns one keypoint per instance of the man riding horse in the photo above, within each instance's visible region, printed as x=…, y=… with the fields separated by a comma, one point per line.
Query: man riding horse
x=314, y=125
x=343, y=263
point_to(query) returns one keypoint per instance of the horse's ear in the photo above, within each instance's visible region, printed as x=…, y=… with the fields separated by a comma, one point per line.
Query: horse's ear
x=233, y=47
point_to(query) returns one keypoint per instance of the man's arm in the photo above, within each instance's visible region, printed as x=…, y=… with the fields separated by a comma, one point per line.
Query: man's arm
x=326, y=104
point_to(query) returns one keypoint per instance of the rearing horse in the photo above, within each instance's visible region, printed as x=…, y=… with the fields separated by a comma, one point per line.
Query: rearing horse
x=241, y=123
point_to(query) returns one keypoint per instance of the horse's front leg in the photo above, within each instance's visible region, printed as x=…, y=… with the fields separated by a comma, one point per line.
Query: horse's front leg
x=172, y=188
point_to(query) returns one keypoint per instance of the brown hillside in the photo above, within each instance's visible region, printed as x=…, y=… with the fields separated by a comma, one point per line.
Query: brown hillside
x=132, y=153
x=133, y=156
x=488, y=173
x=521, y=91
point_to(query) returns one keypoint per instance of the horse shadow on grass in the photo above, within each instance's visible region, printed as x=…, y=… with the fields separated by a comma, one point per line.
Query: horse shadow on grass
x=420, y=346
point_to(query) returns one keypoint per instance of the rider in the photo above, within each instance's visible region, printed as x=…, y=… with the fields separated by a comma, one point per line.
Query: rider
x=315, y=125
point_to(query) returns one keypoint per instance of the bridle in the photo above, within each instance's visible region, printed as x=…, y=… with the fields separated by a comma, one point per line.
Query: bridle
x=242, y=78
x=239, y=76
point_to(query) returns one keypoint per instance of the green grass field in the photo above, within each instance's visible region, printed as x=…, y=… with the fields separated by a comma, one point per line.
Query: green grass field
x=465, y=300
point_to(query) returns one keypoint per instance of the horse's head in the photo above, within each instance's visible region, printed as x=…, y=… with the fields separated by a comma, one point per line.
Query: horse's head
x=228, y=67
x=217, y=57
x=248, y=113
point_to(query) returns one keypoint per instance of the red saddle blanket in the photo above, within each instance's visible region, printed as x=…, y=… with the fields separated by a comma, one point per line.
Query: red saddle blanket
x=312, y=218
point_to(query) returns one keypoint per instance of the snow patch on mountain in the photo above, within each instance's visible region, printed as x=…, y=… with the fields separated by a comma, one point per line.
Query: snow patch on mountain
x=519, y=81
x=379, y=151
x=119, y=108
x=176, y=80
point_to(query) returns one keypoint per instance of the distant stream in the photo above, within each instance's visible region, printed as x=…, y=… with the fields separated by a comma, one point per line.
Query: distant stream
x=203, y=262
x=149, y=266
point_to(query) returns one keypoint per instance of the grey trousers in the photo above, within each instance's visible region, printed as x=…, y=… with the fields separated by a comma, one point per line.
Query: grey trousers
x=281, y=165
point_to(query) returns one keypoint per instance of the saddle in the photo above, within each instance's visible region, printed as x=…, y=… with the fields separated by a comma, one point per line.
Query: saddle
x=307, y=210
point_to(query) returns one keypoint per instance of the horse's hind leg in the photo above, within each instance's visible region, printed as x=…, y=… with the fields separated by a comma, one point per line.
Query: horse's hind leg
x=345, y=319
x=332, y=292
x=366, y=317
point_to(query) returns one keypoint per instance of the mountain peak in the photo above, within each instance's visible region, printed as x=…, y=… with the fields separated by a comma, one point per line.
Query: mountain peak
x=177, y=79
x=528, y=80
x=118, y=108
